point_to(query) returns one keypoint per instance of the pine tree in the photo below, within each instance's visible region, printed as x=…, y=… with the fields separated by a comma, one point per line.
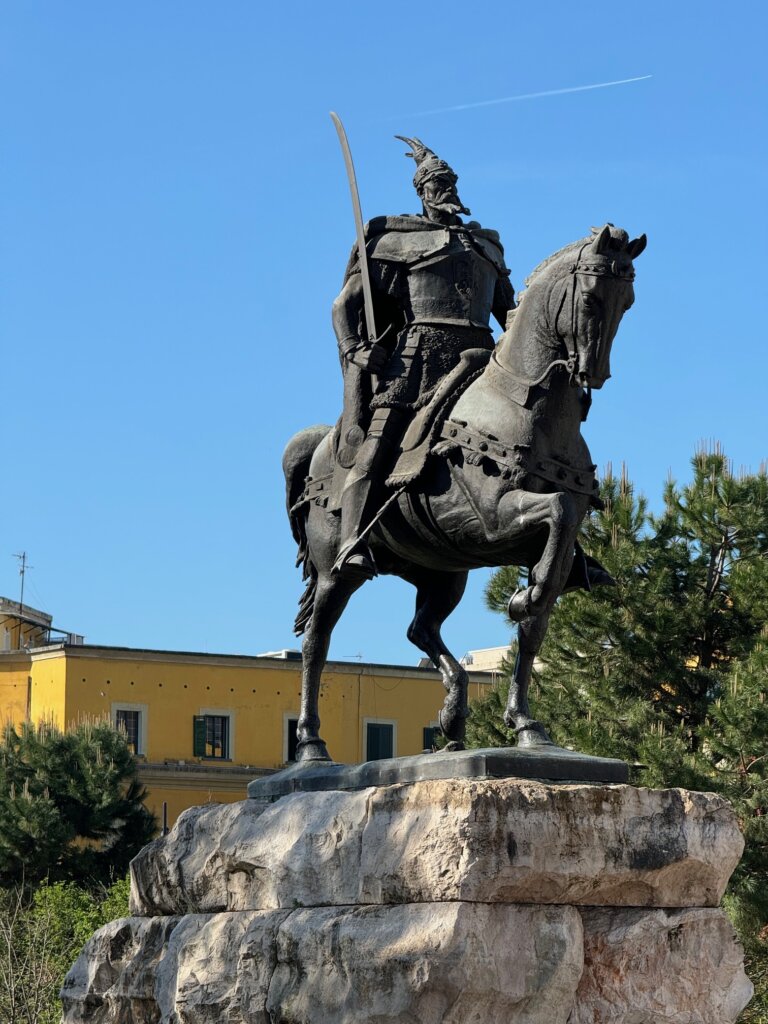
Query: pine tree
x=70, y=804
x=668, y=669
x=735, y=740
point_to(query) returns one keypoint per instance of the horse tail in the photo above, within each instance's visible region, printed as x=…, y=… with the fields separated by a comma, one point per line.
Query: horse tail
x=296, y=459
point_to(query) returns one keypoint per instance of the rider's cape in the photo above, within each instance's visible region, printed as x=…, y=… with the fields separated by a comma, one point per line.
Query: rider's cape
x=393, y=244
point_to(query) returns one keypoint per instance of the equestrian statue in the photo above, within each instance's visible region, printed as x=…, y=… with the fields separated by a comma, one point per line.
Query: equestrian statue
x=452, y=451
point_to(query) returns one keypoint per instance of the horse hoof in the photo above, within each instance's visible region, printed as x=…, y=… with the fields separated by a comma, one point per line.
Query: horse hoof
x=312, y=750
x=519, y=606
x=533, y=735
x=453, y=727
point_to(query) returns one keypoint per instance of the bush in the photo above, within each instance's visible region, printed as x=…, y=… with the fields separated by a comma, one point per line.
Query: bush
x=41, y=934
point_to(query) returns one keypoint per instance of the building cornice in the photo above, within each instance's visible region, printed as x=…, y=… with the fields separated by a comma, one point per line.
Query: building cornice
x=84, y=652
x=229, y=779
x=16, y=659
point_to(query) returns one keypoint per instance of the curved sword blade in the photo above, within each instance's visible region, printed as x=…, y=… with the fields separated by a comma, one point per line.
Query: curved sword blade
x=364, y=268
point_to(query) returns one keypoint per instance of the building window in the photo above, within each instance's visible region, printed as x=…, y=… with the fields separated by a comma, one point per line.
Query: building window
x=290, y=741
x=131, y=719
x=379, y=740
x=216, y=736
x=128, y=722
x=213, y=735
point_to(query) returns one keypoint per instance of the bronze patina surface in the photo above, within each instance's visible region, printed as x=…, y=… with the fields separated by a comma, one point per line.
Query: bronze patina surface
x=454, y=451
x=548, y=763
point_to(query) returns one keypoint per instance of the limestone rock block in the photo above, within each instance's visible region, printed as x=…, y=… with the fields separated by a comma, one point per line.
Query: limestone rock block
x=660, y=967
x=218, y=968
x=500, y=840
x=116, y=972
x=190, y=867
x=451, y=963
x=455, y=963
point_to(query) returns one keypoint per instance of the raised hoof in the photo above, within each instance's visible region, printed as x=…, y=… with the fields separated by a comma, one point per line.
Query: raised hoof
x=312, y=750
x=519, y=606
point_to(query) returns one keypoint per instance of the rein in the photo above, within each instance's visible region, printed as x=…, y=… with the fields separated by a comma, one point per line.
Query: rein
x=571, y=361
x=594, y=269
x=569, y=364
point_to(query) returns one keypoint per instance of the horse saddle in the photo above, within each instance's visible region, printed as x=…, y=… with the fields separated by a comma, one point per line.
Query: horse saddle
x=423, y=433
x=424, y=429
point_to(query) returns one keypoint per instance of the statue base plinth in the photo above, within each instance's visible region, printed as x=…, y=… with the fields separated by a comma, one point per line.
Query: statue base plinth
x=439, y=901
x=547, y=762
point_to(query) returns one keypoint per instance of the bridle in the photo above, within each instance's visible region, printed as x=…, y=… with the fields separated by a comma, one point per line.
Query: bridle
x=593, y=266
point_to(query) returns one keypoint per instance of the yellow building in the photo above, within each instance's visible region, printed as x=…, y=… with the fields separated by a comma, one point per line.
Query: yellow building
x=203, y=725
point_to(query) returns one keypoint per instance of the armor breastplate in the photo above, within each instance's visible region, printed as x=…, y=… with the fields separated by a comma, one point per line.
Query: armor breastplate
x=453, y=286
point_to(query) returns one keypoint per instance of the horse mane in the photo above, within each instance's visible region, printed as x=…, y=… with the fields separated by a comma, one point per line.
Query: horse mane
x=572, y=247
x=617, y=242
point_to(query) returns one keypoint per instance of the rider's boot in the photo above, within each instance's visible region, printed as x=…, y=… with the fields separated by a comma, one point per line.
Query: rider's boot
x=361, y=497
x=586, y=573
x=356, y=559
x=597, y=574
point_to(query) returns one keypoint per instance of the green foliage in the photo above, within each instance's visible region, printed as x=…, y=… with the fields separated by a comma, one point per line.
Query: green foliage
x=41, y=934
x=756, y=964
x=669, y=669
x=70, y=804
x=734, y=742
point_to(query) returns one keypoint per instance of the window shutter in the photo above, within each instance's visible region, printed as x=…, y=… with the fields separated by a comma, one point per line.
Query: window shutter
x=199, y=736
x=380, y=741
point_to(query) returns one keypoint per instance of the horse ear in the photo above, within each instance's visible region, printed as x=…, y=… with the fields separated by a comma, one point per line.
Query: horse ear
x=636, y=246
x=601, y=242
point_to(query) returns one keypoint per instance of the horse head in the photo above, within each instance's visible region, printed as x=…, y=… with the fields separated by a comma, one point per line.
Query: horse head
x=571, y=309
x=589, y=298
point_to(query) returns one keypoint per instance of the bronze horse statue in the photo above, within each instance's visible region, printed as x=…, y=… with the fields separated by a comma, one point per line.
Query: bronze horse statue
x=508, y=482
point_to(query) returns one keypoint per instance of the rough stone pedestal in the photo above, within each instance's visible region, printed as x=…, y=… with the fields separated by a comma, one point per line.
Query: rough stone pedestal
x=438, y=902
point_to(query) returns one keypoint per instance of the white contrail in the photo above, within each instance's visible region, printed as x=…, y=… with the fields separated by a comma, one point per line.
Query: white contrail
x=530, y=96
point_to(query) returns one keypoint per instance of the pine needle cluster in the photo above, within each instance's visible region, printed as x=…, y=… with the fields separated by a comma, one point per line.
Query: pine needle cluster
x=668, y=669
x=70, y=804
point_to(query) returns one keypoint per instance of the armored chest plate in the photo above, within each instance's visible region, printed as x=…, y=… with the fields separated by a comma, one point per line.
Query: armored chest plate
x=455, y=285
x=450, y=274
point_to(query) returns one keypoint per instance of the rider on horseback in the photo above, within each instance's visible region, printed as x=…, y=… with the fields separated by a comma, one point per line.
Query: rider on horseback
x=436, y=281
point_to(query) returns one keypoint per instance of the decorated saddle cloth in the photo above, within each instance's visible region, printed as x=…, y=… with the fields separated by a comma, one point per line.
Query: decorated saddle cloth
x=422, y=435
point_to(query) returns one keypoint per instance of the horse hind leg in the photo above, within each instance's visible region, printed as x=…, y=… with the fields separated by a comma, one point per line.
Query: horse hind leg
x=330, y=599
x=530, y=636
x=517, y=714
x=437, y=594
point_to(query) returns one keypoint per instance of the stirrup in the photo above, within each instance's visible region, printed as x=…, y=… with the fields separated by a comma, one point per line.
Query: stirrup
x=355, y=562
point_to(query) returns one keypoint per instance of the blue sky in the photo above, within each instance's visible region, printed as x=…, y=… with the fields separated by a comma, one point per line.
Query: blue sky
x=175, y=224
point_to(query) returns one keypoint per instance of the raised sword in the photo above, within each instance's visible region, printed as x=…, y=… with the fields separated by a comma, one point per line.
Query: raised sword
x=370, y=321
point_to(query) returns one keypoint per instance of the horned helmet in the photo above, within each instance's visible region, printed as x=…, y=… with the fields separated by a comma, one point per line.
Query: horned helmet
x=434, y=180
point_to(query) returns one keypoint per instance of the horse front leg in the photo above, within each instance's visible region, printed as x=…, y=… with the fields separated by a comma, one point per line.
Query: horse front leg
x=530, y=636
x=330, y=600
x=437, y=594
x=561, y=516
